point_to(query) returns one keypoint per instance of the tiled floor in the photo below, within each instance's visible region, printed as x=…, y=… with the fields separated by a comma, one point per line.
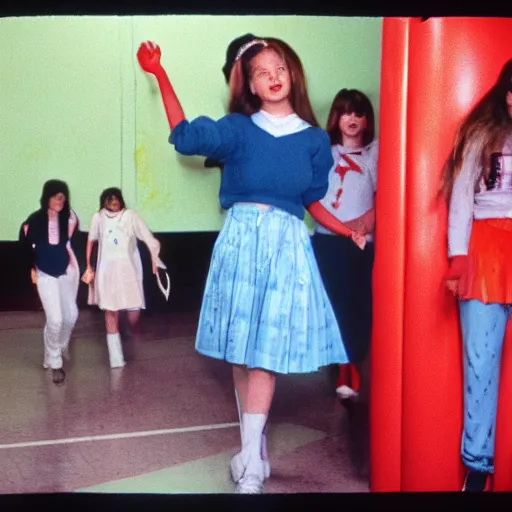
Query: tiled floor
x=166, y=423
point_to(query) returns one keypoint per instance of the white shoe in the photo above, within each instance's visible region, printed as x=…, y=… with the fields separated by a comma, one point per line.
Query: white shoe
x=345, y=393
x=238, y=469
x=253, y=479
x=250, y=484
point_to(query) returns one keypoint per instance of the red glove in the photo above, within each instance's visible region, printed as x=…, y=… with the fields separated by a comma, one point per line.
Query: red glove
x=329, y=221
x=459, y=276
x=148, y=56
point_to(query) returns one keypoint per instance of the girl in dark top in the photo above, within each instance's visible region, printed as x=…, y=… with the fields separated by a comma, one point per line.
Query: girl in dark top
x=47, y=235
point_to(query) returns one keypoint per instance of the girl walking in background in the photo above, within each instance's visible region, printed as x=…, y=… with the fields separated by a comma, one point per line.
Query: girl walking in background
x=117, y=283
x=47, y=236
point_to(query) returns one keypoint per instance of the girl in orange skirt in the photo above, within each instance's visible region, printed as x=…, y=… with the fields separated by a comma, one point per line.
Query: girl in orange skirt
x=478, y=182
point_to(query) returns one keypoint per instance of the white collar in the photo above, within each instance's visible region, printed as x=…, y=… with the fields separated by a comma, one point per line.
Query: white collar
x=112, y=215
x=279, y=126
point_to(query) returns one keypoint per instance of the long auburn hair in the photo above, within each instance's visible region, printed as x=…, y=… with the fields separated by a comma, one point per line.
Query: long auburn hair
x=489, y=124
x=243, y=101
x=346, y=102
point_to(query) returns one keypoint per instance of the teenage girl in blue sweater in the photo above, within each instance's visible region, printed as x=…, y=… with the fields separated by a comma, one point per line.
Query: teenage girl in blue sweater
x=265, y=309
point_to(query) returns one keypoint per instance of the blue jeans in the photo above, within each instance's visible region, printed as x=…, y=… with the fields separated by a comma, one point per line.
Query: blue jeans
x=483, y=331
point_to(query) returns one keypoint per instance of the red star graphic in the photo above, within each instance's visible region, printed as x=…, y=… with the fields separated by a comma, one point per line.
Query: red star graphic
x=342, y=170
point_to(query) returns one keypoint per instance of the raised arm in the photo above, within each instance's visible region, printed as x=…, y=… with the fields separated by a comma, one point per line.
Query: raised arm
x=148, y=56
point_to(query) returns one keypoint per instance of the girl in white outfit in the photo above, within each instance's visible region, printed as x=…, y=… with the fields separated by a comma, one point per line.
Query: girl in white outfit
x=117, y=283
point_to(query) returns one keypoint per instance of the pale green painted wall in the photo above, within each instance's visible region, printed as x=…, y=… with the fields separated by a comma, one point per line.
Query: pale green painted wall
x=75, y=105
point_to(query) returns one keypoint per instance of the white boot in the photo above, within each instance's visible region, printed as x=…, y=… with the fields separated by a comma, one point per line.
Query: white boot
x=237, y=466
x=254, y=474
x=115, y=350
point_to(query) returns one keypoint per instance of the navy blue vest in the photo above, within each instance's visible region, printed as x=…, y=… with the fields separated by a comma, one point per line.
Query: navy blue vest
x=50, y=259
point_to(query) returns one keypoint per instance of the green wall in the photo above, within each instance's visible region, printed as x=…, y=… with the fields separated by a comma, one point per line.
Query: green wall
x=76, y=106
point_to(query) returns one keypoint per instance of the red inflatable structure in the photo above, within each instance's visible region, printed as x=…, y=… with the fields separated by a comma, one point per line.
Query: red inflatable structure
x=433, y=72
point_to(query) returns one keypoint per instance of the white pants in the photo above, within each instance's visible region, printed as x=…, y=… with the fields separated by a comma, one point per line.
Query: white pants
x=58, y=297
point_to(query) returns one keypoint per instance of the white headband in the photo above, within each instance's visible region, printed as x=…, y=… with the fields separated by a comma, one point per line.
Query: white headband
x=246, y=46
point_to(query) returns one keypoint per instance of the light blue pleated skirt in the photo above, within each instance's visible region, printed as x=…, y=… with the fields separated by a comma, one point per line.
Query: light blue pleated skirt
x=264, y=304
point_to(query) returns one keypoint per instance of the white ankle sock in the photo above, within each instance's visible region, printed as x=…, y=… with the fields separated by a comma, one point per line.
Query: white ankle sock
x=264, y=450
x=253, y=425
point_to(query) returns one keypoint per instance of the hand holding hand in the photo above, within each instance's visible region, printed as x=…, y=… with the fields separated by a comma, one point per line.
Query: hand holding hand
x=148, y=56
x=364, y=224
x=359, y=239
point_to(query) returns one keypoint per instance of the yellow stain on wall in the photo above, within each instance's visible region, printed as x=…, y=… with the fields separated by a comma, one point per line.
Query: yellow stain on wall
x=141, y=166
x=151, y=189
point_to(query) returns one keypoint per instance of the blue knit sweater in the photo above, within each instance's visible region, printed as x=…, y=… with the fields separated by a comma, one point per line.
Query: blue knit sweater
x=289, y=172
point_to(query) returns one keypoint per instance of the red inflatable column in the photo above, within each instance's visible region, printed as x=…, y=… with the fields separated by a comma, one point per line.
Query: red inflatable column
x=452, y=62
x=432, y=398
x=388, y=273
